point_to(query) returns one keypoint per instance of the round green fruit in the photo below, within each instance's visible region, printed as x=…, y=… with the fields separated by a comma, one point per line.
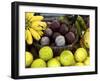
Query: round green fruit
x=87, y=61
x=38, y=63
x=53, y=63
x=28, y=58
x=79, y=64
x=67, y=58
x=80, y=54
x=46, y=53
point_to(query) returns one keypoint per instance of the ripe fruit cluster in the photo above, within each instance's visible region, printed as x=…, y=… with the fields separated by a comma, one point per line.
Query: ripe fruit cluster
x=59, y=32
x=66, y=58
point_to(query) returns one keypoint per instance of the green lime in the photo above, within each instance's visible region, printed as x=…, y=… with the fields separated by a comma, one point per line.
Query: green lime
x=46, y=53
x=53, y=63
x=38, y=63
x=28, y=58
x=67, y=58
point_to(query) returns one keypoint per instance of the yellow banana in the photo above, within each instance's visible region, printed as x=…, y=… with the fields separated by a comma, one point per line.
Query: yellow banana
x=39, y=28
x=39, y=25
x=36, y=23
x=43, y=24
x=25, y=34
x=29, y=37
x=36, y=26
x=40, y=33
x=29, y=15
x=34, y=34
x=37, y=18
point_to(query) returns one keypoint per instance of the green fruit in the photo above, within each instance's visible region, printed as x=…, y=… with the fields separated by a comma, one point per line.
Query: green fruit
x=53, y=63
x=81, y=22
x=46, y=53
x=86, y=38
x=38, y=63
x=28, y=58
x=87, y=61
x=67, y=58
x=80, y=54
x=79, y=64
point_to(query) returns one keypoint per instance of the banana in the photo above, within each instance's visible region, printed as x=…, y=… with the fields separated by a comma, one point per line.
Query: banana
x=39, y=25
x=36, y=26
x=39, y=28
x=29, y=37
x=81, y=22
x=26, y=34
x=37, y=18
x=43, y=25
x=36, y=23
x=29, y=15
x=34, y=34
x=40, y=33
x=78, y=28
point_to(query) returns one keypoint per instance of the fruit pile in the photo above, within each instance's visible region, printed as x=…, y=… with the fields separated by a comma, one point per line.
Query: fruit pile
x=57, y=34
x=66, y=58
x=56, y=31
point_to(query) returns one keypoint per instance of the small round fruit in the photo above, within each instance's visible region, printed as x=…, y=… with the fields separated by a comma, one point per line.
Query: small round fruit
x=80, y=54
x=38, y=63
x=70, y=37
x=45, y=41
x=28, y=58
x=79, y=64
x=67, y=58
x=60, y=40
x=53, y=63
x=87, y=61
x=46, y=53
x=55, y=25
x=48, y=32
x=63, y=29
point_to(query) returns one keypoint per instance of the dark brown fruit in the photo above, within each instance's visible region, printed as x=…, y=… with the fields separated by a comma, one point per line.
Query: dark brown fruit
x=70, y=37
x=48, y=32
x=55, y=25
x=73, y=29
x=63, y=29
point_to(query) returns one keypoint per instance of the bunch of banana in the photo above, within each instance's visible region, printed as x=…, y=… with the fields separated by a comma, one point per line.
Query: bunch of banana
x=83, y=31
x=80, y=25
x=85, y=40
x=34, y=27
